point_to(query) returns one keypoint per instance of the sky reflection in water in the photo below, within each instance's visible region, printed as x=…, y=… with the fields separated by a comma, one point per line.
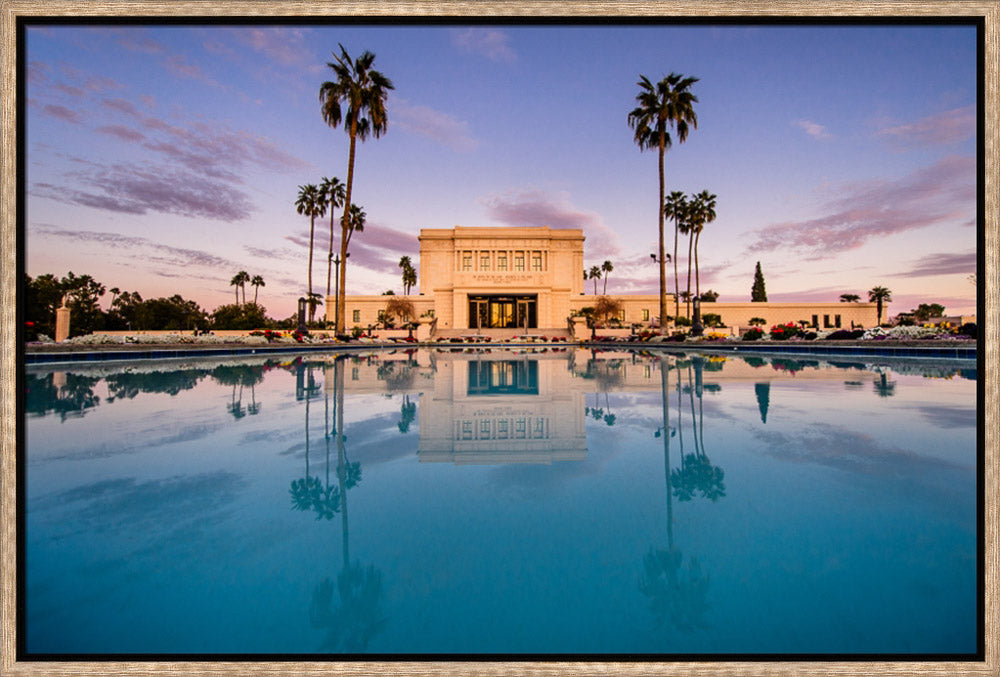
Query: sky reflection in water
x=438, y=501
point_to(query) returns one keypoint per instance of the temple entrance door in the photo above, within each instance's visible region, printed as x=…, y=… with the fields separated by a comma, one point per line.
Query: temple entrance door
x=502, y=313
x=526, y=314
x=479, y=313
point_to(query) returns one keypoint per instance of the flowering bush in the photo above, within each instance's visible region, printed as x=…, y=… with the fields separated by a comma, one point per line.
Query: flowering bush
x=783, y=332
x=753, y=334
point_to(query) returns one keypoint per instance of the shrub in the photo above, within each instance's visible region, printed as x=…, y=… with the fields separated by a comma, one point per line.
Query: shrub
x=757, y=322
x=753, y=334
x=782, y=332
x=845, y=335
x=683, y=321
x=968, y=329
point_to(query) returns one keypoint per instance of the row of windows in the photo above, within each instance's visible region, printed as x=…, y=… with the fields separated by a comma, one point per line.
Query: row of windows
x=526, y=428
x=502, y=261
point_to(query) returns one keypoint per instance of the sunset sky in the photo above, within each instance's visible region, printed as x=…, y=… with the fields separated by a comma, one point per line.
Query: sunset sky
x=164, y=159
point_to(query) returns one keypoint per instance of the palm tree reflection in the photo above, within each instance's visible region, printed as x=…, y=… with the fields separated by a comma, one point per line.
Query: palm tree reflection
x=355, y=617
x=676, y=593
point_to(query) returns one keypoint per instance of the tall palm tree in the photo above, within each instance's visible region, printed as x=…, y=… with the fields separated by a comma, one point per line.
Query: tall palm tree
x=356, y=222
x=408, y=274
x=676, y=208
x=310, y=203
x=239, y=281
x=689, y=226
x=364, y=91
x=257, y=282
x=668, y=103
x=332, y=191
x=706, y=214
x=607, y=267
x=879, y=295
x=595, y=275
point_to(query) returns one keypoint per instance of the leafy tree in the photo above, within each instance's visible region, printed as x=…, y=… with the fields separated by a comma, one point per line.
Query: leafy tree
x=668, y=103
x=606, y=267
x=239, y=316
x=926, y=311
x=311, y=204
x=849, y=298
x=712, y=319
x=879, y=296
x=758, y=294
x=607, y=307
x=757, y=322
x=174, y=313
x=709, y=296
x=364, y=91
x=399, y=307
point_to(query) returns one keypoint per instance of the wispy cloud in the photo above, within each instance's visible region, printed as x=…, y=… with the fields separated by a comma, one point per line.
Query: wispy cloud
x=533, y=207
x=492, y=43
x=944, y=128
x=63, y=113
x=941, y=193
x=815, y=130
x=441, y=127
x=284, y=45
x=943, y=264
x=122, y=132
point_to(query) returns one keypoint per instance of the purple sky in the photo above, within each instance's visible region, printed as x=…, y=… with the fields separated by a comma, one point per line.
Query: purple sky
x=164, y=159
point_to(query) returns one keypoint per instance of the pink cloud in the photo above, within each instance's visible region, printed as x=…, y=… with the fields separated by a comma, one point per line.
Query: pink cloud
x=536, y=208
x=943, y=264
x=814, y=130
x=943, y=128
x=492, y=43
x=122, y=132
x=941, y=193
x=435, y=125
x=63, y=113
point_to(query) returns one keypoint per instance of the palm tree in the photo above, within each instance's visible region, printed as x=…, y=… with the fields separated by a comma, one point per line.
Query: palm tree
x=706, y=214
x=257, y=283
x=332, y=191
x=849, y=298
x=356, y=222
x=313, y=300
x=595, y=275
x=239, y=281
x=688, y=226
x=310, y=203
x=607, y=267
x=667, y=103
x=676, y=208
x=409, y=275
x=879, y=295
x=364, y=91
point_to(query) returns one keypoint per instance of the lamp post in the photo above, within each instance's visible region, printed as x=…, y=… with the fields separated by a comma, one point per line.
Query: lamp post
x=663, y=290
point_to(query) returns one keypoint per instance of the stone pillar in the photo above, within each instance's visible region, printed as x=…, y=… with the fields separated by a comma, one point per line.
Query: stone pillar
x=580, y=330
x=424, y=327
x=62, y=322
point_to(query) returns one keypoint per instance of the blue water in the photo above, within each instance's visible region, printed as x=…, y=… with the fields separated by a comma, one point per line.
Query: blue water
x=501, y=502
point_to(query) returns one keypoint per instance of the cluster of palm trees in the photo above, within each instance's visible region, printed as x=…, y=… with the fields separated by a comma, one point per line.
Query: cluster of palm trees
x=313, y=201
x=240, y=281
x=596, y=273
x=690, y=216
x=877, y=295
x=409, y=274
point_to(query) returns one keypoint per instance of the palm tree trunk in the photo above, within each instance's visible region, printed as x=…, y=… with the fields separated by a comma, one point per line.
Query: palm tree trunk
x=663, y=263
x=312, y=224
x=329, y=258
x=341, y=460
x=697, y=283
x=345, y=228
x=256, y=288
x=690, y=243
x=666, y=448
x=605, y=292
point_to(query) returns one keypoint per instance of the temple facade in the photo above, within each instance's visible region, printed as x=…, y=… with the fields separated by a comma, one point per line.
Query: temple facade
x=532, y=279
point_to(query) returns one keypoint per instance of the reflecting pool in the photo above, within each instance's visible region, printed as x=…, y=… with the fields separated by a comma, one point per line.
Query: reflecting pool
x=532, y=501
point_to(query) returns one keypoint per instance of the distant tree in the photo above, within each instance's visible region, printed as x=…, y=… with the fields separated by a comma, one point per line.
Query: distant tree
x=926, y=311
x=401, y=308
x=757, y=322
x=703, y=213
x=849, y=298
x=709, y=296
x=239, y=316
x=409, y=274
x=606, y=307
x=239, y=281
x=332, y=192
x=879, y=296
x=712, y=320
x=174, y=313
x=607, y=267
x=388, y=292
x=676, y=208
x=758, y=294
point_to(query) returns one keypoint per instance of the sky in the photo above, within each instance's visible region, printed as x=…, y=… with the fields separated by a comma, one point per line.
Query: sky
x=164, y=159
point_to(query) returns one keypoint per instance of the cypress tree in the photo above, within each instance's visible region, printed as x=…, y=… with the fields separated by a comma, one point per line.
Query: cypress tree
x=758, y=294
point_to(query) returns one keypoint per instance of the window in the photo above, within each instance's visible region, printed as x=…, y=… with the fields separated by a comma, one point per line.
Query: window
x=467, y=262
x=826, y=320
x=645, y=314
x=536, y=261
x=484, y=262
x=815, y=321
x=356, y=315
x=501, y=262
x=519, y=261
x=836, y=321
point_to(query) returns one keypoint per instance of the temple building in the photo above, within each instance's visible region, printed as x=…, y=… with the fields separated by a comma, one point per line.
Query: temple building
x=532, y=278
